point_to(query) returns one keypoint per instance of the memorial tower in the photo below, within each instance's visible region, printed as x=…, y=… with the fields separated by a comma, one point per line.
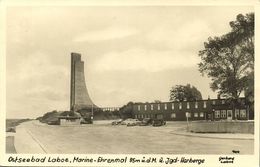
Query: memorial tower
x=79, y=97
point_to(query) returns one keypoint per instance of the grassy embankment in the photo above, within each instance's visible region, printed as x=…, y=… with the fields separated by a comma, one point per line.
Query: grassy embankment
x=12, y=123
x=10, y=127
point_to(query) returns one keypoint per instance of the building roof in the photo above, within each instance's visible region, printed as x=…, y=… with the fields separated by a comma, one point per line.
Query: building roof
x=184, y=101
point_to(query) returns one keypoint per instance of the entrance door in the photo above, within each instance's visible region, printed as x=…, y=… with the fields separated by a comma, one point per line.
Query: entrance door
x=209, y=117
x=229, y=114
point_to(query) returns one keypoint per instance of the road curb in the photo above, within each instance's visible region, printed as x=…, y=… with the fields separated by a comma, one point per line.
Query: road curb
x=211, y=137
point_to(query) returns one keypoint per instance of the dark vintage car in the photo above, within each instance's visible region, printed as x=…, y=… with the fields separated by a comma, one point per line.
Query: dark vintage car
x=158, y=122
x=86, y=121
x=146, y=122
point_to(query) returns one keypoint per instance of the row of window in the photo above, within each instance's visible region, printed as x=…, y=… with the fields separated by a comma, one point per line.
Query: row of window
x=195, y=115
x=141, y=116
x=218, y=114
x=173, y=115
x=225, y=113
x=180, y=105
x=172, y=106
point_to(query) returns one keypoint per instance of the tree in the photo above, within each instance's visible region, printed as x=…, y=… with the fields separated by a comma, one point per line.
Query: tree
x=127, y=110
x=229, y=59
x=185, y=93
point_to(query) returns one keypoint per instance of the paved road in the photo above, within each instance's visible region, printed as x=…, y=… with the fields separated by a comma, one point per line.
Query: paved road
x=33, y=137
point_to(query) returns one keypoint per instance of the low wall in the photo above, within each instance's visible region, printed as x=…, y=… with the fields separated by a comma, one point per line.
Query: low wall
x=222, y=127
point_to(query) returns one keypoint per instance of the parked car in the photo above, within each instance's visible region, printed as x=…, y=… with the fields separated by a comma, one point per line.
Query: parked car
x=56, y=122
x=131, y=122
x=146, y=121
x=117, y=122
x=88, y=121
x=158, y=122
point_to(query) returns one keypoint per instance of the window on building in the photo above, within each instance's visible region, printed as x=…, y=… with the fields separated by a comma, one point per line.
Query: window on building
x=172, y=106
x=196, y=114
x=151, y=106
x=139, y=107
x=243, y=113
x=204, y=104
x=196, y=104
x=236, y=113
x=217, y=114
x=173, y=115
x=145, y=107
x=201, y=114
x=159, y=107
x=180, y=106
x=188, y=105
x=165, y=106
x=223, y=113
x=188, y=114
x=213, y=102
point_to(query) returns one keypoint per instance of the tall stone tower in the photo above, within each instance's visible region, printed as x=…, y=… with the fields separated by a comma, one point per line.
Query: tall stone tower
x=79, y=97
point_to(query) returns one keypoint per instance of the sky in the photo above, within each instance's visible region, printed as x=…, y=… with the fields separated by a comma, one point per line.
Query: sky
x=131, y=53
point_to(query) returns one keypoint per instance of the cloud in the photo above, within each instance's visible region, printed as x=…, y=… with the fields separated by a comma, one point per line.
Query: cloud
x=105, y=34
x=186, y=35
x=148, y=60
x=36, y=85
x=36, y=65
